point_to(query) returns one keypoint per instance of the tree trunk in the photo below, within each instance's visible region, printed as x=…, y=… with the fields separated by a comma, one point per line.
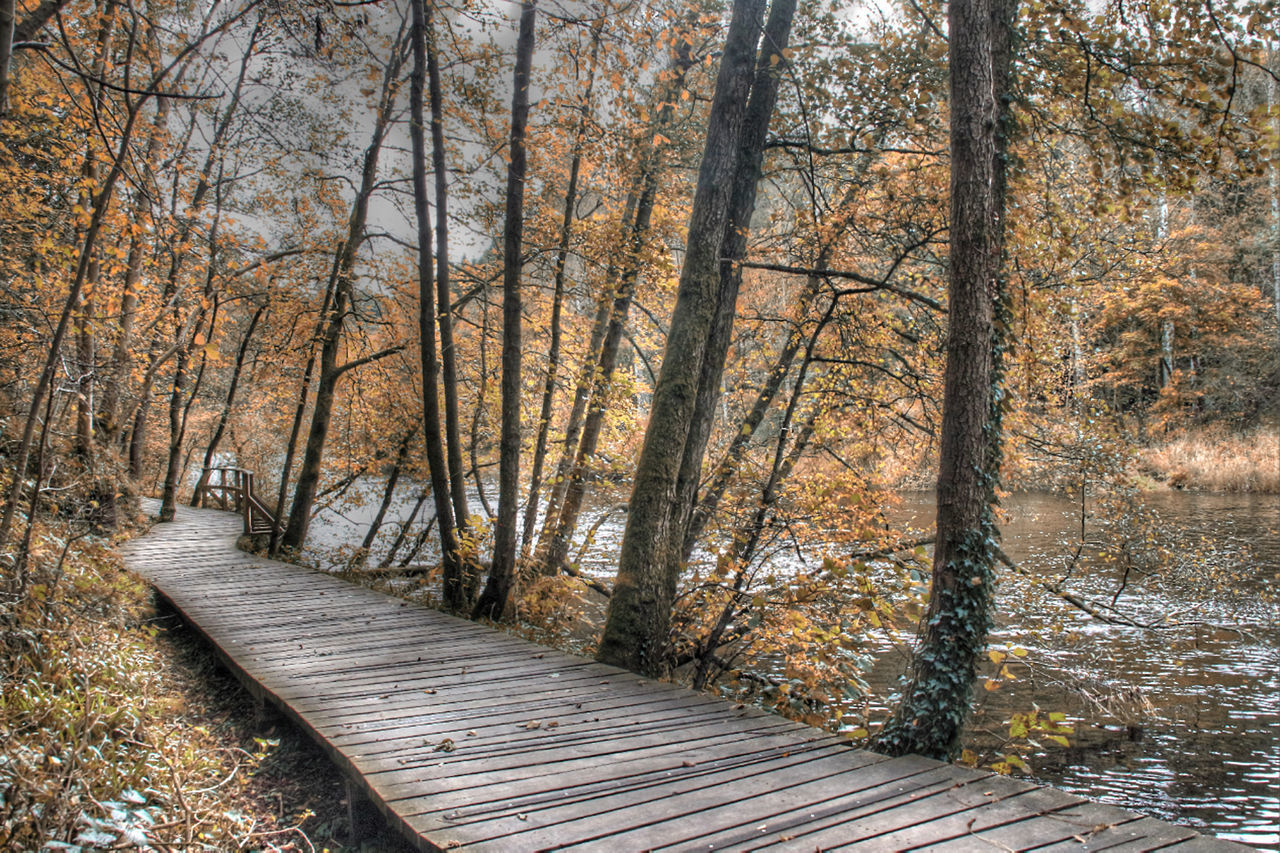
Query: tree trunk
x=304, y=495
x=300, y=410
x=8, y=20
x=936, y=700
x=562, y=258
x=764, y=95
x=444, y=301
x=225, y=417
x=639, y=617
x=108, y=421
x=388, y=494
x=495, y=602
x=454, y=593
x=582, y=431
x=558, y=549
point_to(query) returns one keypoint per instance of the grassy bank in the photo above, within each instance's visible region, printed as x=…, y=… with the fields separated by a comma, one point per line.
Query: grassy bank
x=120, y=732
x=1217, y=461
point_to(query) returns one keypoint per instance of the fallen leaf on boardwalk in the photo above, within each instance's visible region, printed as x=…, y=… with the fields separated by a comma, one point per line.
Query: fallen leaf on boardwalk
x=553, y=724
x=471, y=733
x=689, y=763
x=429, y=691
x=523, y=816
x=445, y=745
x=532, y=724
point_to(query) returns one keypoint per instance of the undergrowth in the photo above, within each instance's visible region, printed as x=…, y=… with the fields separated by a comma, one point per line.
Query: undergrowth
x=118, y=731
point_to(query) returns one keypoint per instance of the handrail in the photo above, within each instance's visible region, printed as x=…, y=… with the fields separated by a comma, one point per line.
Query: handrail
x=233, y=490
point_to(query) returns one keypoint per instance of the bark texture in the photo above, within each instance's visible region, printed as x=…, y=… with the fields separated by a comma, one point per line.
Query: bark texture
x=454, y=593
x=936, y=700
x=495, y=600
x=638, y=623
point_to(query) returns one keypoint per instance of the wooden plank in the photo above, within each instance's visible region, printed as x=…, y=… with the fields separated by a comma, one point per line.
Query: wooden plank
x=1001, y=803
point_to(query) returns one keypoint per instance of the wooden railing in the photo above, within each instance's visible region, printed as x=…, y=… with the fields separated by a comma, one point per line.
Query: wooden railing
x=232, y=489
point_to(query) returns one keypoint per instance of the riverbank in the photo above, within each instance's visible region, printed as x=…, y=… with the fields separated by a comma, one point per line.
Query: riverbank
x=1217, y=462
x=121, y=730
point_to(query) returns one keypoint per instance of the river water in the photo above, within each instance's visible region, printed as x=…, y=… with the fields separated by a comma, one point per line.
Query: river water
x=1181, y=722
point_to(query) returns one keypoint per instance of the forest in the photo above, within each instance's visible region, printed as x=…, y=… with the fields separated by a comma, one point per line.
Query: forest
x=632, y=326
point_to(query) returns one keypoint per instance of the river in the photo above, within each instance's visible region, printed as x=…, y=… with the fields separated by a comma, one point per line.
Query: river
x=1179, y=722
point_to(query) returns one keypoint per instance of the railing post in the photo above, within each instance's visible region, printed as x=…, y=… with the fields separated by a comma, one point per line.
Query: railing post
x=246, y=505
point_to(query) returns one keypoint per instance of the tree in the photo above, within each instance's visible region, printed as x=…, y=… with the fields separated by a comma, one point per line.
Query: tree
x=954, y=631
x=636, y=630
x=495, y=600
x=331, y=370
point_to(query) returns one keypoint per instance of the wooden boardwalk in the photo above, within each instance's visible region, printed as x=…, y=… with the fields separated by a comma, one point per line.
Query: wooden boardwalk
x=466, y=737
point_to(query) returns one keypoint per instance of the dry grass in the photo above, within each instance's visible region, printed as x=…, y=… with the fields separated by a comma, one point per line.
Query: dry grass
x=1218, y=462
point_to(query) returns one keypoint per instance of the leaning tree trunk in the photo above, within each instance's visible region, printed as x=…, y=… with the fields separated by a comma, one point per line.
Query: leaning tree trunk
x=228, y=404
x=936, y=700
x=304, y=494
x=639, y=617
x=586, y=417
x=557, y=299
x=557, y=553
x=764, y=95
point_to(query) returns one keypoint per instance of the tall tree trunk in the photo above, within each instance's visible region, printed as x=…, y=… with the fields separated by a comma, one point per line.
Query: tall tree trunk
x=764, y=95
x=477, y=414
x=1273, y=175
x=304, y=495
x=227, y=405
x=108, y=421
x=582, y=431
x=639, y=617
x=177, y=415
x=495, y=601
x=300, y=410
x=557, y=299
x=454, y=592
x=444, y=299
x=576, y=488
x=8, y=20
x=936, y=699
x=581, y=398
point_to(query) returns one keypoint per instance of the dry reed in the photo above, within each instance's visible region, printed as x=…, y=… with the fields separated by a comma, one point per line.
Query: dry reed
x=1218, y=462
